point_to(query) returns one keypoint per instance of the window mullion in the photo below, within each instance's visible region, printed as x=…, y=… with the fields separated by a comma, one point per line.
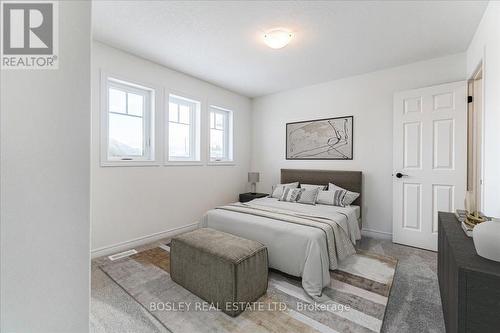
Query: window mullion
x=126, y=102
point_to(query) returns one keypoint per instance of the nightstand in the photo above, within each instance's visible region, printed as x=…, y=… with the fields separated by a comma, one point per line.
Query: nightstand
x=245, y=197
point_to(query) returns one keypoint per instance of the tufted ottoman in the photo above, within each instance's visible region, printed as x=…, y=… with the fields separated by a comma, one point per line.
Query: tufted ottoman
x=221, y=268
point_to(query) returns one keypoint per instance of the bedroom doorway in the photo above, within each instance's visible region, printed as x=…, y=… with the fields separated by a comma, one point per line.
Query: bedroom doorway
x=475, y=137
x=429, y=154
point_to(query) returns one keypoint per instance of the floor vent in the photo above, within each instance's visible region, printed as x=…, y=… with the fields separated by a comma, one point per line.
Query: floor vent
x=122, y=255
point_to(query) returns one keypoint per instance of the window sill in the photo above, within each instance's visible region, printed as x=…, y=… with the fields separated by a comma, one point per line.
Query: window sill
x=221, y=163
x=183, y=163
x=136, y=163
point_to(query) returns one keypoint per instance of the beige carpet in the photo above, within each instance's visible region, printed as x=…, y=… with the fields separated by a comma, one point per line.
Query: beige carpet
x=355, y=301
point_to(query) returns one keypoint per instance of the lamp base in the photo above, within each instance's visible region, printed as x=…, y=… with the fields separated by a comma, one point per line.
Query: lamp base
x=485, y=236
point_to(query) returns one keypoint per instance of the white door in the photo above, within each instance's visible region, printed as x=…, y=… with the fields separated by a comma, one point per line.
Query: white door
x=429, y=151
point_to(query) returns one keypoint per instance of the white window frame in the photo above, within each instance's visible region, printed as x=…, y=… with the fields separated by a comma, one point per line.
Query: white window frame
x=195, y=130
x=148, y=157
x=228, y=136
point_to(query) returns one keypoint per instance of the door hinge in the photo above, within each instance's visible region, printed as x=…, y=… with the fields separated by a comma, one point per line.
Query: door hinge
x=469, y=99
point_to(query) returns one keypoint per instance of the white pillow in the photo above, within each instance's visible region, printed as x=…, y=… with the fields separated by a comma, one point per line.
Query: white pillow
x=312, y=187
x=326, y=198
x=277, y=190
x=332, y=198
x=349, y=196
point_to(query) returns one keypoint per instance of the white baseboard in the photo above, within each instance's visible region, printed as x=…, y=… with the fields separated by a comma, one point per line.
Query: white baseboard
x=376, y=234
x=127, y=245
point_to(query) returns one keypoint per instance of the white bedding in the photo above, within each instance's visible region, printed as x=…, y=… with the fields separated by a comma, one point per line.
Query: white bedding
x=294, y=249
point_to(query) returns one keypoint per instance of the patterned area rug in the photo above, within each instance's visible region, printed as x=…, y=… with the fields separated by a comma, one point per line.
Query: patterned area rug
x=355, y=300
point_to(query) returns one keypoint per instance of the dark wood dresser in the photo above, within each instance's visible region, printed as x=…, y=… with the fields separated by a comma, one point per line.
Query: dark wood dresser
x=469, y=284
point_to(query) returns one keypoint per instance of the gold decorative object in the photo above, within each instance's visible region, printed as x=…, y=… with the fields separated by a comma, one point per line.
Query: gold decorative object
x=474, y=219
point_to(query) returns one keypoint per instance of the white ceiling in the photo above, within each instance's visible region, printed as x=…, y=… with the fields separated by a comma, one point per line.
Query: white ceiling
x=221, y=41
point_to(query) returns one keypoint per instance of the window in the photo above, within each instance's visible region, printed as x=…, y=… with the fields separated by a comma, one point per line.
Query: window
x=221, y=135
x=129, y=120
x=183, y=129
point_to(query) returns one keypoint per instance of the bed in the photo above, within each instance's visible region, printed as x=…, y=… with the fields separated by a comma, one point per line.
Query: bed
x=302, y=240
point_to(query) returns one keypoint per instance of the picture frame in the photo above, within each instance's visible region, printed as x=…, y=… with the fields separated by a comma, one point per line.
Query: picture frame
x=320, y=139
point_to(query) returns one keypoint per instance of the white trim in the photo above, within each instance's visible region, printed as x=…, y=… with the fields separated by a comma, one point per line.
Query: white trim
x=123, y=246
x=151, y=120
x=376, y=234
x=194, y=126
x=136, y=163
x=481, y=67
x=165, y=247
x=183, y=163
x=221, y=163
x=122, y=254
x=228, y=135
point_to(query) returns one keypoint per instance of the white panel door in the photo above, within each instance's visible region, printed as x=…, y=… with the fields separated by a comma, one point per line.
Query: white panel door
x=430, y=144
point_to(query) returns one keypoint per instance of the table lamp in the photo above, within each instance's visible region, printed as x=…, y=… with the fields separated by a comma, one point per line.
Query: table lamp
x=253, y=178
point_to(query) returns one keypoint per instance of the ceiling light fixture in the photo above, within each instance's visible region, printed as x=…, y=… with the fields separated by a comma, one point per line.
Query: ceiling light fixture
x=277, y=38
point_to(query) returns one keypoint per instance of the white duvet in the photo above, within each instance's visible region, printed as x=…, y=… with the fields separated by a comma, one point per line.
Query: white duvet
x=295, y=249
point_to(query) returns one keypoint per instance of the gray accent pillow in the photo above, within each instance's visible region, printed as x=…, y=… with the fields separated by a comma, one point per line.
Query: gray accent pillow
x=309, y=197
x=349, y=196
x=290, y=194
x=277, y=190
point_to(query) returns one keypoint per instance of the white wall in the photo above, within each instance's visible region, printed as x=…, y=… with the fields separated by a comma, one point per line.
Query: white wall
x=485, y=47
x=369, y=98
x=45, y=135
x=134, y=202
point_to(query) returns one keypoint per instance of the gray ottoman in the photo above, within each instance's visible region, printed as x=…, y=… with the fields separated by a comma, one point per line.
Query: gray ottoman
x=220, y=268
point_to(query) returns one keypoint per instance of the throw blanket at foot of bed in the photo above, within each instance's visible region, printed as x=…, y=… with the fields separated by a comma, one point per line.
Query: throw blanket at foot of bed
x=301, y=241
x=337, y=239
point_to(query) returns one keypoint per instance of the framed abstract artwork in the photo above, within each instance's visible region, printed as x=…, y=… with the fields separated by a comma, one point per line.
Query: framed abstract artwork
x=320, y=139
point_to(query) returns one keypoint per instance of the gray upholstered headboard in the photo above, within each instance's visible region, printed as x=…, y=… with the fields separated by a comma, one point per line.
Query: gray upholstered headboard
x=350, y=180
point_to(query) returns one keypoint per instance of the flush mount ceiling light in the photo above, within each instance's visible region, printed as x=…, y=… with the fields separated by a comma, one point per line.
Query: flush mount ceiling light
x=277, y=38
